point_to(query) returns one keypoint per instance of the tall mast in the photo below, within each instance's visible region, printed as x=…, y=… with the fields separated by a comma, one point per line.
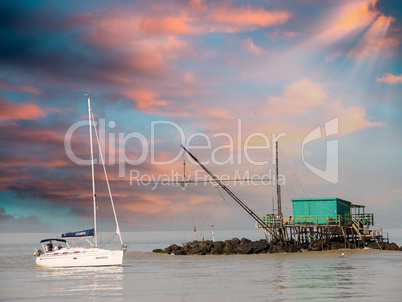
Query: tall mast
x=92, y=168
x=108, y=185
x=278, y=187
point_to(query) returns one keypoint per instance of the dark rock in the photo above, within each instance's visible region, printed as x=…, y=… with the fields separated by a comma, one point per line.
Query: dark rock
x=229, y=248
x=244, y=241
x=260, y=246
x=245, y=248
x=218, y=245
x=316, y=245
x=206, y=246
x=303, y=247
x=172, y=248
x=194, y=244
x=383, y=245
x=293, y=248
x=373, y=245
x=337, y=245
x=234, y=241
x=195, y=251
x=278, y=247
x=215, y=251
x=217, y=248
x=187, y=246
x=391, y=247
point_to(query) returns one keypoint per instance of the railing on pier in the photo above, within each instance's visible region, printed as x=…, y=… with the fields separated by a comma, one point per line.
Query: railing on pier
x=363, y=219
x=360, y=220
x=275, y=220
x=321, y=219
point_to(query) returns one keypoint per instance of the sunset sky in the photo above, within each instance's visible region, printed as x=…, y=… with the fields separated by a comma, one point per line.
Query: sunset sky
x=163, y=73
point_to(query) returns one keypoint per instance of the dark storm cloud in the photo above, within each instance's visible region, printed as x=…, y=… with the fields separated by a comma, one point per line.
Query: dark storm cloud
x=47, y=43
x=18, y=223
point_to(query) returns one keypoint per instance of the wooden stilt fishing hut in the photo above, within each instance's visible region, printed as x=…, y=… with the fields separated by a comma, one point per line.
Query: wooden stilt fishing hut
x=314, y=220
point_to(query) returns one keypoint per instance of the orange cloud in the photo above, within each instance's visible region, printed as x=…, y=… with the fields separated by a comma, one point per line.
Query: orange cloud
x=232, y=19
x=389, y=78
x=359, y=20
x=172, y=25
x=375, y=39
x=15, y=111
x=355, y=15
x=149, y=204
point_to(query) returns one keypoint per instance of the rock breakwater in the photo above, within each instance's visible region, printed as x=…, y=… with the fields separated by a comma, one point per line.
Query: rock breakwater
x=246, y=246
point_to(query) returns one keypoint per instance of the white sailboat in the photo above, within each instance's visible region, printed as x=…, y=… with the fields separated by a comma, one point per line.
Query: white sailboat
x=65, y=256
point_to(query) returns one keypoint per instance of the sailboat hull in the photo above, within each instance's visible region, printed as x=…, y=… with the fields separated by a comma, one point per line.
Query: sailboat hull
x=81, y=257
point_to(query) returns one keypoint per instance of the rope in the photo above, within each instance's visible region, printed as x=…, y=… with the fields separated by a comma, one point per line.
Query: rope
x=294, y=174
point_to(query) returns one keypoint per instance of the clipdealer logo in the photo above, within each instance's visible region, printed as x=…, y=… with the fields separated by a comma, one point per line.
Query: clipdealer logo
x=242, y=145
x=330, y=173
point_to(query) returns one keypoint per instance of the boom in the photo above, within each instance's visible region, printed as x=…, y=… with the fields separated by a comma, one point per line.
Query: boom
x=263, y=224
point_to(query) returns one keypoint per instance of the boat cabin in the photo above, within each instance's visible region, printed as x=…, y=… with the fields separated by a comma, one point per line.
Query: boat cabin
x=51, y=245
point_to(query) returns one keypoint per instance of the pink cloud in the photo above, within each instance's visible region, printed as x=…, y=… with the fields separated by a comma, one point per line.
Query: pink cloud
x=214, y=112
x=145, y=99
x=297, y=98
x=308, y=98
x=198, y=5
x=389, y=78
x=351, y=118
x=230, y=18
x=19, y=87
x=195, y=19
x=283, y=34
x=18, y=159
x=252, y=47
x=14, y=132
x=15, y=111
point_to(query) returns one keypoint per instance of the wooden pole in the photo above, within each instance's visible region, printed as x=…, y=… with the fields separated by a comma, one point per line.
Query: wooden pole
x=278, y=188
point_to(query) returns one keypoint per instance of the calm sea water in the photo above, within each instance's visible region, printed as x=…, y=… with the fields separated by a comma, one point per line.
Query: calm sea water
x=364, y=275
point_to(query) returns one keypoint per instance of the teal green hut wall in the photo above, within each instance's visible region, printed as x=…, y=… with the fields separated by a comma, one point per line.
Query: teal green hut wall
x=321, y=210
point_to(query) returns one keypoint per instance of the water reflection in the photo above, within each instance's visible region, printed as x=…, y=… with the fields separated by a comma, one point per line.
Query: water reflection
x=326, y=276
x=88, y=282
x=329, y=277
